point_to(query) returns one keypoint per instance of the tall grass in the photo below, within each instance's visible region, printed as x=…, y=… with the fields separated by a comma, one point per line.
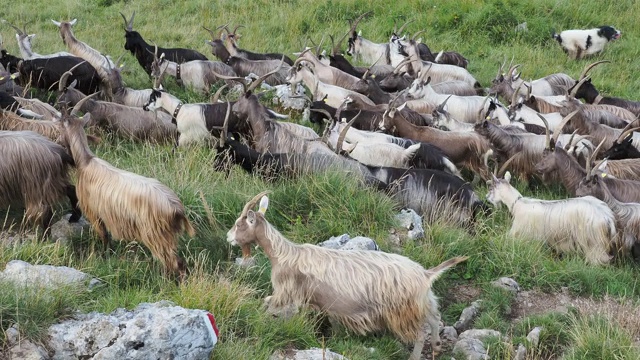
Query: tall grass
x=312, y=208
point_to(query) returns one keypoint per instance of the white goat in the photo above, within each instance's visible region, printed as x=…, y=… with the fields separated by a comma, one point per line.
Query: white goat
x=462, y=108
x=583, y=225
x=369, y=290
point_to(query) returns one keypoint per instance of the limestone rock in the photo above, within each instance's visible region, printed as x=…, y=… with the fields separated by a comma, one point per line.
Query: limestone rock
x=508, y=284
x=311, y=354
x=150, y=331
x=467, y=316
x=344, y=242
x=47, y=276
x=63, y=230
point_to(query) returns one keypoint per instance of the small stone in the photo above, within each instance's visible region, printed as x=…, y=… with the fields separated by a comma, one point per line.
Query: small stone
x=246, y=262
x=534, y=336
x=360, y=243
x=311, y=354
x=508, y=284
x=467, y=316
x=521, y=353
x=27, y=350
x=12, y=335
x=480, y=334
x=449, y=334
x=22, y=273
x=470, y=349
x=63, y=231
x=335, y=242
x=410, y=222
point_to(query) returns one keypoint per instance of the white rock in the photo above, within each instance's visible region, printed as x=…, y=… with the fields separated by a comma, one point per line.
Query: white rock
x=311, y=354
x=335, y=242
x=480, y=334
x=344, y=242
x=534, y=336
x=150, y=331
x=47, y=276
x=449, y=334
x=412, y=222
x=467, y=316
x=62, y=231
x=471, y=349
x=27, y=350
x=508, y=284
x=521, y=353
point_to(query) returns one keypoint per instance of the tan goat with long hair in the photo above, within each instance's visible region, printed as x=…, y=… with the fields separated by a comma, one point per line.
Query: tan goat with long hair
x=127, y=205
x=364, y=290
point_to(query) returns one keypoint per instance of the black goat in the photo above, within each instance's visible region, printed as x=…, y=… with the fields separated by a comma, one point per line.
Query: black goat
x=591, y=95
x=622, y=149
x=144, y=52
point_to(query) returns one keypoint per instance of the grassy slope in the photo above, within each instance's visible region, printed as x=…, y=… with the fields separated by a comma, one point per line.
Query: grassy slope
x=311, y=209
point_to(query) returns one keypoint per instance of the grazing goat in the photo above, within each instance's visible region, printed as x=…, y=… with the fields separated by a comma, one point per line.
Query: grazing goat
x=583, y=225
x=585, y=90
x=46, y=128
x=622, y=190
x=506, y=84
x=127, y=205
x=34, y=172
x=625, y=169
x=371, y=290
x=581, y=43
x=144, y=52
x=234, y=50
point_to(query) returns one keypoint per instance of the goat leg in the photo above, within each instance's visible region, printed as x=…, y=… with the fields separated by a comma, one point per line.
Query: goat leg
x=76, y=213
x=46, y=217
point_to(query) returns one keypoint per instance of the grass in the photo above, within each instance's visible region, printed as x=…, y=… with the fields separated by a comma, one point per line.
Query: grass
x=311, y=209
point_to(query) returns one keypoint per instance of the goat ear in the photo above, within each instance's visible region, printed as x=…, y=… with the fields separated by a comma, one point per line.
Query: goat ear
x=507, y=176
x=264, y=204
x=73, y=84
x=251, y=217
x=85, y=119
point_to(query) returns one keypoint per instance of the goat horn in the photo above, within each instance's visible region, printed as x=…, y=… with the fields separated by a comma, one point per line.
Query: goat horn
x=253, y=202
x=440, y=107
x=130, y=24
x=512, y=69
x=364, y=77
x=76, y=108
x=501, y=68
x=340, y=108
x=334, y=48
x=592, y=157
x=482, y=107
x=574, y=91
x=546, y=131
x=401, y=64
x=573, y=134
x=514, y=97
x=216, y=96
x=20, y=32
x=211, y=32
x=402, y=27
x=591, y=66
x=627, y=132
x=63, y=79
x=564, y=122
x=413, y=38
x=506, y=163
x=343, y=133
x=355, y=23
x=225, y=125
x=236, y=29
x=324, y=112
x=256, y=83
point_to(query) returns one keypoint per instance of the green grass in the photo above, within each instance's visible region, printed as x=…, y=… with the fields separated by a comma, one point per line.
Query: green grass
x=311, y=209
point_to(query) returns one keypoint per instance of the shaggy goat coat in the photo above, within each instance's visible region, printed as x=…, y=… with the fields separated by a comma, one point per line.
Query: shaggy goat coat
x=364, y=290
x=128, y=205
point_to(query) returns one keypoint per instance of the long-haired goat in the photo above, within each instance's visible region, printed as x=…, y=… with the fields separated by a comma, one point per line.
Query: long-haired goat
x=34, y=173
x=24, y=44
x=144, y=52
x=379, y=291
x=583, y=225
x=127, y=205
x=232, y=46
x=585, y=90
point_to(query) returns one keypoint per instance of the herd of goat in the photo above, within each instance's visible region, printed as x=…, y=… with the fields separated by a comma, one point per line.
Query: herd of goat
x=413, y=124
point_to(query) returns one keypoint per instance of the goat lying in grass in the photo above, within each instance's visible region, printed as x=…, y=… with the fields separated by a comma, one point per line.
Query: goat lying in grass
x=364, y=290
x=583, y=225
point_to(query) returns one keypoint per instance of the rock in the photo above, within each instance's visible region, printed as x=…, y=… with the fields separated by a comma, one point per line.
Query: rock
x=480, y=334
x=312, y=354
x=521, y=27
x=534, y=336
x=344, y=242
x=47, y=276
x=470, y=349
x=150, y=331
x=63, y=231
x=27, y=350
x=521, y=353
x=508, y=284
x=410, y=227
x=246, y=262
x=284, y=96
x=467, y=316
x=449, y=334
x=12, y=335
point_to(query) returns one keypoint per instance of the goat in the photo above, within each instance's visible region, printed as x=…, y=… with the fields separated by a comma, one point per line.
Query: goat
x=46, y=128
x=9, y=103
x=335, y=94
x=34, y=172
x=245, y=67
x=196, y=74
x=583, y=225
x=144, y=52
x=585, y=90
x=330, y=75
x=626, y=169
x=463, y=149
x=194, y=122
x=125, y=121
x=622, y=148
x=506, y=84
x=627, y=215
x=24, y=44
x=127, y=205
x=232, y=46
x=371, y=279
x=599, y=132
x=581, y=43
x=7, y=80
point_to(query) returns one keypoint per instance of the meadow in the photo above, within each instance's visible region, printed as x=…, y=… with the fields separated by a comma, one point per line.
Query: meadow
x=313, y=208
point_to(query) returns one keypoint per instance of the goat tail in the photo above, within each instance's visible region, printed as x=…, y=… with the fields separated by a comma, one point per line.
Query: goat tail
x=434, y=273
x=182, y=223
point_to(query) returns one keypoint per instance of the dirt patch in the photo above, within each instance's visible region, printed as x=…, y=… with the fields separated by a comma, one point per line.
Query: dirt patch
x=462, y=293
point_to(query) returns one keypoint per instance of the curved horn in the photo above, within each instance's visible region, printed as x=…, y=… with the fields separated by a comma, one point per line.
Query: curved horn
x=501, y=68
x=63, y=79
x=336, y=48
x=591, y=66
x=343, y=133
x=564, y=122
x=257, y=83
x=482, y=107
x=512, y=69
x=366, y=73
x=401, y=64
x=573, y=134
x=216, y=96
x=440, y=107
x=506, y=163
x=355, y=23
x=225, y=125
x=514, y=97
x=592, y=157
x=20, y=32
x=546, y=131
x=413, y=38
x=236, y=29
x=402, y=27
x=232, y=78
x=574, y=91
x=323, y=112
x=253, y=202
x=626, y=133
x=76, y=108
